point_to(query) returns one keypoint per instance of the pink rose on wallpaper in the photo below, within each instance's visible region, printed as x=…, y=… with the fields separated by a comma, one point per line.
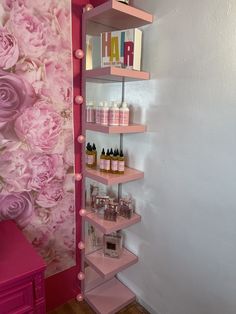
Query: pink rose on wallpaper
x=51, y=194
x=15, y=95
x=30, y=69
x=14, y=169
x=16, y=206
x=39, y=127
x=9, y=50
x=44, y=168
x=31, y=32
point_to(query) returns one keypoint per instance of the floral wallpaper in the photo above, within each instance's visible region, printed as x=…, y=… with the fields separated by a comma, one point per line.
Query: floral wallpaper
x=36, y=126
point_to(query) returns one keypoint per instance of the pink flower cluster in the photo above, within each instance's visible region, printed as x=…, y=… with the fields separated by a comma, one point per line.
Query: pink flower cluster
x=36, y=126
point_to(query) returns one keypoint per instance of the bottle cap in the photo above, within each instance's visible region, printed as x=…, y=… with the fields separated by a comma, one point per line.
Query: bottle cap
x=106, y=105
x=103, y=151
x=111, y=152
x=101, y=104
x=94, y=146
x=90, y=103
x=121, y=153
x=124, y=104
x=108, y=153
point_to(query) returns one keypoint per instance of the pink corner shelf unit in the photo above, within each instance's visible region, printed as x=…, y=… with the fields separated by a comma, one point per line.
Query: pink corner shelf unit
x=101, y=289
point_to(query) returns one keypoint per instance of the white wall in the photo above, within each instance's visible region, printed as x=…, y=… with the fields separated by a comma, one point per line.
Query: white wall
x=187, y=239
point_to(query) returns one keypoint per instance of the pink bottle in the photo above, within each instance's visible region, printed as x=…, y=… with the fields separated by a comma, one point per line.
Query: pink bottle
x=90, y=112
x=104, y=113
x=124, y=114
x=114, y=115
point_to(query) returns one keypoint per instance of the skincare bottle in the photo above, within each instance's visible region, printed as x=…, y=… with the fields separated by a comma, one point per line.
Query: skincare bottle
x=114, y=114
x=114, y=163
x=90, y=112
x=107, y=162
x=121, y=163
x=98, y=110
x=124, y=114
x=102, y=160
x=104, y=112
x=90, y=156
x=94, y=150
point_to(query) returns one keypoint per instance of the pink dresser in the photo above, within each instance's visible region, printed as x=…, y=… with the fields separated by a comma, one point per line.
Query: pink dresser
x=21, y=273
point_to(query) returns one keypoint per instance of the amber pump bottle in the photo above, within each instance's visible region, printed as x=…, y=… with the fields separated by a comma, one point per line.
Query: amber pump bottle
x=121, y=163
x=107, y=162
x=114, y=162
x=94, y=150
x=90, y=156
x=102, y=160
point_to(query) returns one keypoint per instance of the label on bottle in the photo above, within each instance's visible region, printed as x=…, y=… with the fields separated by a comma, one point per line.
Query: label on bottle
x=114, y=165
x=104, y=117
x=114, y=116
x=124, y=117
x=107, y=164
x=121, y=166
x=102, y=164
x=97, y=116
x=90, y=160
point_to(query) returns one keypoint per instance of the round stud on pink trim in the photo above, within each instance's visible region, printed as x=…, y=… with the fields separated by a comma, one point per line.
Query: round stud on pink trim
x=87, y=8
x=79, y=298
x=83, y=212
x=79, y=99
x=81, y=245
x=81, y=139
x=79, y=53
x=78, y=176
x=81, y=276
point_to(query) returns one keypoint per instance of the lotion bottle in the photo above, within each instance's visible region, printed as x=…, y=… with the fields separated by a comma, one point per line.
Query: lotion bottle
x=104, y=114
x=114, y=115
x=124, y=114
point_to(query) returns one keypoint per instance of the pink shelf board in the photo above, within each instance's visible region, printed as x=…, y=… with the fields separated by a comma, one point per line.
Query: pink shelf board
x=109, y=74
x=110, y=178
x=109, y=297
x=132, y=128
x=108, y=267
x=107, y=227
x=113, y=14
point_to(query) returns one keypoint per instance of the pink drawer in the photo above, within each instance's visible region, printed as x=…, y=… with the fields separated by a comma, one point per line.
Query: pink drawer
x=18, y=300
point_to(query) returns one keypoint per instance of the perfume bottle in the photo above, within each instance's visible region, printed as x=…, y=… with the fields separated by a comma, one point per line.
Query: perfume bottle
x=113, y=244
x=110, y=213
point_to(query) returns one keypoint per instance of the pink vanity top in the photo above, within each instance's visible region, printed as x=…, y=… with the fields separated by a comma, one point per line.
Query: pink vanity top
x=17, y=257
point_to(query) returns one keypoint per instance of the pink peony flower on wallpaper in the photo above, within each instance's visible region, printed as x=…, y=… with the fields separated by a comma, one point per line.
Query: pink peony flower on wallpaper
x=43, y=168
x=31, y=32
x=9, y=50
x=29, y=69
x=14, y=169
x=15, y=95
x=51, y=194
x=39, y=127
x=9, y=4
x=16, y=206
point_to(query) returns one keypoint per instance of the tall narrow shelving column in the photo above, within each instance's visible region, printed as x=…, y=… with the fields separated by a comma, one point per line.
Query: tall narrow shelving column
x=102, y=290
